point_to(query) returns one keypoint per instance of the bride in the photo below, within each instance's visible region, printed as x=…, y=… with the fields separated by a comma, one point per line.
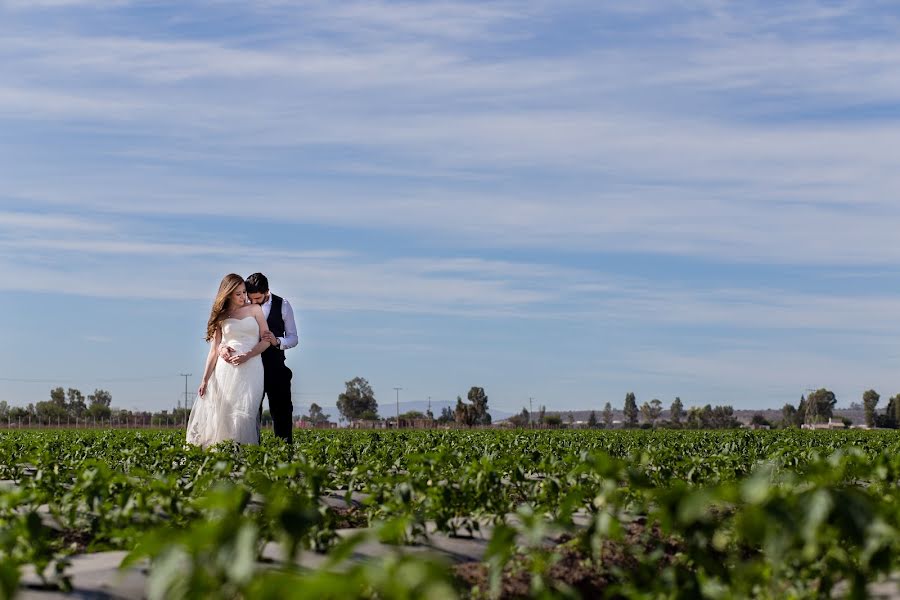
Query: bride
x=231, y=391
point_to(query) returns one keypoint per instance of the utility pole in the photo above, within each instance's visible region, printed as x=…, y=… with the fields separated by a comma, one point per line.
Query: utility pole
x=530, y=409
x=429, y=404
x=398, y=406
x=186, y=375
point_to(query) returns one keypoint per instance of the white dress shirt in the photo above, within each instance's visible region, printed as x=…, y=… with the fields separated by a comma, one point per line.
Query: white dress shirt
x=290, y=338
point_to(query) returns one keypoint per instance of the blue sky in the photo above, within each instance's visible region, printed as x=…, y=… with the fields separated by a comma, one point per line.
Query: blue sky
x=560, y=200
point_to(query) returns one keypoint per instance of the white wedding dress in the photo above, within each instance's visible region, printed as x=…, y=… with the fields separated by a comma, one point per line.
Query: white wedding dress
x=230, y=408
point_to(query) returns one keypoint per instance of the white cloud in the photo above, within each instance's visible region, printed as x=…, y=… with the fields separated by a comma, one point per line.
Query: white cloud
x=99, y=339
x=27, y=221
x=336, y=280
x=22, y=5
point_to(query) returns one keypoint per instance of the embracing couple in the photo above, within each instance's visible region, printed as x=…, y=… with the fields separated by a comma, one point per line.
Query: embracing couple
x=249, y=329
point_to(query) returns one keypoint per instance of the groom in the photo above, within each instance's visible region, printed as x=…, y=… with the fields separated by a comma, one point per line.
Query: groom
x=282, y=335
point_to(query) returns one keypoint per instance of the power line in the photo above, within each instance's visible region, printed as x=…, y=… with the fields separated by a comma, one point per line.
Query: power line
x=186, y=375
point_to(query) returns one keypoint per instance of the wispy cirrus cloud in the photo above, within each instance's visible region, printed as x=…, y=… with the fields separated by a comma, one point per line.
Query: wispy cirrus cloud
x=336, y=280
x=45, y=223
x=640, y=175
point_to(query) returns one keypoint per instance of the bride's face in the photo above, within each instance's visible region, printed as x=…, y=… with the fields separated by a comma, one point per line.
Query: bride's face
x=238, y=297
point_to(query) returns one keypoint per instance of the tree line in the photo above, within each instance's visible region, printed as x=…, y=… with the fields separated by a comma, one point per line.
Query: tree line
x=647, y=415
x=64, y=406
x=69, y=406
x=817, y=407
x=357, y=402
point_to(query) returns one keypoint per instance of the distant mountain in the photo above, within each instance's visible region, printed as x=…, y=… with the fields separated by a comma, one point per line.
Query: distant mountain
x=389, y=409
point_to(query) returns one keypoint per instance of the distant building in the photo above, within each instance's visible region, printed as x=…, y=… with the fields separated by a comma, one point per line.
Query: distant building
x=368, y=424
x=302, y=423
x=831, y=424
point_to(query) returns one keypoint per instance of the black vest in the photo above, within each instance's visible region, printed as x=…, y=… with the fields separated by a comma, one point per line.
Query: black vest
x=276, y=326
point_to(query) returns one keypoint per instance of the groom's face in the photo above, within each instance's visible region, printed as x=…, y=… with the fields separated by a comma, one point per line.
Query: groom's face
x=257, y=298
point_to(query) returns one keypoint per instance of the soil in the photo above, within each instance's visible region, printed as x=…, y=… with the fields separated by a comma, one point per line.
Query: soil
x=74, y=541
x=349, y=518
x=573, y=566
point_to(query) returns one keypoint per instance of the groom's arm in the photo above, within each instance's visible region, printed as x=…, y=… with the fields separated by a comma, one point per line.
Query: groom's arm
x=291, y=338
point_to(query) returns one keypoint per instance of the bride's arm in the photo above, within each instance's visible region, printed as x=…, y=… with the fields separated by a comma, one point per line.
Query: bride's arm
x=211, y=359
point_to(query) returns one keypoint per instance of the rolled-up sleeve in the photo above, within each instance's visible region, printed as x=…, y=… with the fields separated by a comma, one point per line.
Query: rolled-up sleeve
x=291, y=337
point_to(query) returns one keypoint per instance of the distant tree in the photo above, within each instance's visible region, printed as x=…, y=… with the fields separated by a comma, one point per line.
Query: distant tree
x=475, y=413
x=520, y=420
x=723, y=418
x=592, y=420
x=693, y=418
x=654, y=411
x=17, y=413
x=316, y=416
x=50, y=413
x=542, y=414
x=676, y=412
x=58, y=397
x=788, y=415
x=412, y=415
x=446, y=415
x=75, y=405
x=358, y=400
x=4, y=410
x=759, y=419
x=888, y=420
x=820, y=406
x=608, y=415
x=645, y=412
x=553, y=420
x=99, y=405
x=101, y=397
x=180, y=415
x=870, y=400
x=461, y=414
x=800, y=415
x=571, y=418
x=630, y=410
x=479, y=402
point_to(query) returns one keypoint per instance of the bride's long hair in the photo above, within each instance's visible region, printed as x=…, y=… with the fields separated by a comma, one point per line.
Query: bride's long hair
x=230, y=283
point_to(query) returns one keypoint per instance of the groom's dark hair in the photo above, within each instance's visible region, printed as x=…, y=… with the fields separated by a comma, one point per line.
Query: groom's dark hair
x=257, y=284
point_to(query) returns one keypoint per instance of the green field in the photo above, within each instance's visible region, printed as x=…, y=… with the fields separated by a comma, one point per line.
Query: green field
x=638, y=514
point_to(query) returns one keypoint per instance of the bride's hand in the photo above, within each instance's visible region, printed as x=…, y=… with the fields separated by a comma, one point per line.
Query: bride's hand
x=238, y=359
x=202, y=389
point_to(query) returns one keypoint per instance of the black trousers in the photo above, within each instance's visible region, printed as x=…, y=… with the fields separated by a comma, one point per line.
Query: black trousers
x=278, y=391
